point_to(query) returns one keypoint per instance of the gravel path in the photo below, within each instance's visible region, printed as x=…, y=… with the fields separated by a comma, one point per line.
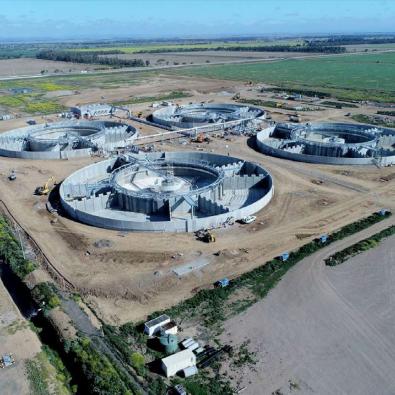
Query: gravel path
x=324, y=330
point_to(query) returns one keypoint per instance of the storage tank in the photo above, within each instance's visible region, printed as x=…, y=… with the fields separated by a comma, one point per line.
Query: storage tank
x=169, y=343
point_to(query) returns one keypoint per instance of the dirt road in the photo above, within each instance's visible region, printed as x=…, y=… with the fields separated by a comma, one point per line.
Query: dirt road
x=324, y=330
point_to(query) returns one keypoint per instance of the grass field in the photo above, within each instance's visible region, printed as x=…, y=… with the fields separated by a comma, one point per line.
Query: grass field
x=358, y=77
x=32, y=103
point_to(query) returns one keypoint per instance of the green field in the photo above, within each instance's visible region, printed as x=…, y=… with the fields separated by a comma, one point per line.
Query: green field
x=357, y=77
x=186, y=46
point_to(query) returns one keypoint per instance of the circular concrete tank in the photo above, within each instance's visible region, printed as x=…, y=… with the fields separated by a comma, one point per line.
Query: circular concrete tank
x=65, y=140
x=331, y=143
x=193, y=115
x=166, y=191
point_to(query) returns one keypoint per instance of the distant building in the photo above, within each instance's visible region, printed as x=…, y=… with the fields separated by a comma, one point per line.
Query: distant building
x=17, y=91
x=5, y=117
x=92, y=110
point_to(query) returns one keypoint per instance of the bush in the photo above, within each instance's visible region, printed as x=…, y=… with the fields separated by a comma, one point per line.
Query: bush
x=357, y=248
x=11, y=252
x=100, y=375
x=137, y=361
x=45, y=294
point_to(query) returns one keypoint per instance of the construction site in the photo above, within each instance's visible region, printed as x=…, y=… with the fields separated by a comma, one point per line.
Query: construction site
x=149, y=207
x=127, y=275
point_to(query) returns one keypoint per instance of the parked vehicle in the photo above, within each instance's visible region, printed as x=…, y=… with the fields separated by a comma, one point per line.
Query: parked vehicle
x=249, y=219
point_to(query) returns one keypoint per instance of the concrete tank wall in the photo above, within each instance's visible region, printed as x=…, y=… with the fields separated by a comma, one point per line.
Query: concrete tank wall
x=281, y=153
x=189, y=225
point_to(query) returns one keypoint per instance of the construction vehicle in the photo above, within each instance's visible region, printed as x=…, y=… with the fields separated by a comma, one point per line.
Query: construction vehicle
x=46, y=188
x=12, y=175
x=201, y=138
x=295, y=118
x=206, y=236
x=139, y=114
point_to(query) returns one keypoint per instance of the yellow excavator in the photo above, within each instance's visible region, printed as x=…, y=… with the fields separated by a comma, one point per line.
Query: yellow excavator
x=206, y=236
x=46, y=188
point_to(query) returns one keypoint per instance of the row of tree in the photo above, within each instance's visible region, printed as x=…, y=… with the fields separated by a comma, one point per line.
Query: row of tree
x=353, y=40
x=315, y=47
x=91, y=57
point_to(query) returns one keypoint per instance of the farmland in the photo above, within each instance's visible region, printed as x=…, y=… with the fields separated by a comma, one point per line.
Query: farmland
x=358, y=77
x=190, y=46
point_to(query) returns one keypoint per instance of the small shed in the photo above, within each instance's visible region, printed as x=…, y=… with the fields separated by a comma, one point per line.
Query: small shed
x=179, y=361
x=170, y=328
x=192, y=370
x=284, y=256
x=186, y=342
x=153, y=326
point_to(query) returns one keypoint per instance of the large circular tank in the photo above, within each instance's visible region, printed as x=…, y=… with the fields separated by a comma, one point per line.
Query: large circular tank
x=193, y=115
x=65, y=140
x=166, y=191
x=331, y=143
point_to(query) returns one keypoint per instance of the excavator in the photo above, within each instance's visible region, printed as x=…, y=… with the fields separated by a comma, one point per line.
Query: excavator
x=206, y=236
x=46, y=188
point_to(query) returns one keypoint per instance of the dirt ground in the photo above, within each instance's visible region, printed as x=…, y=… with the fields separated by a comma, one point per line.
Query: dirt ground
x=134, y=275
x=323, y=330
x=27, y=66
x=17, y=338
x=151, y=87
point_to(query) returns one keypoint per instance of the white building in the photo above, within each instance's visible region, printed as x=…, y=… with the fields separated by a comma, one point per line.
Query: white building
x=155, y=325
x=178, y=361
x=92, y=110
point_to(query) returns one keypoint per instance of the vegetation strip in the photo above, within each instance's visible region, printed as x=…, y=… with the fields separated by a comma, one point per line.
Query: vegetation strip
x=90, y=58
x=357, y=248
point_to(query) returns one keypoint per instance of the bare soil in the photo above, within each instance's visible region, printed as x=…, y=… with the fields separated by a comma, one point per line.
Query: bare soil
x=322, y=330
x=28, y=66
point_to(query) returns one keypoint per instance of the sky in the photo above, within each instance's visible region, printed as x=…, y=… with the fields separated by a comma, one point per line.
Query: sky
x=137, y=19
